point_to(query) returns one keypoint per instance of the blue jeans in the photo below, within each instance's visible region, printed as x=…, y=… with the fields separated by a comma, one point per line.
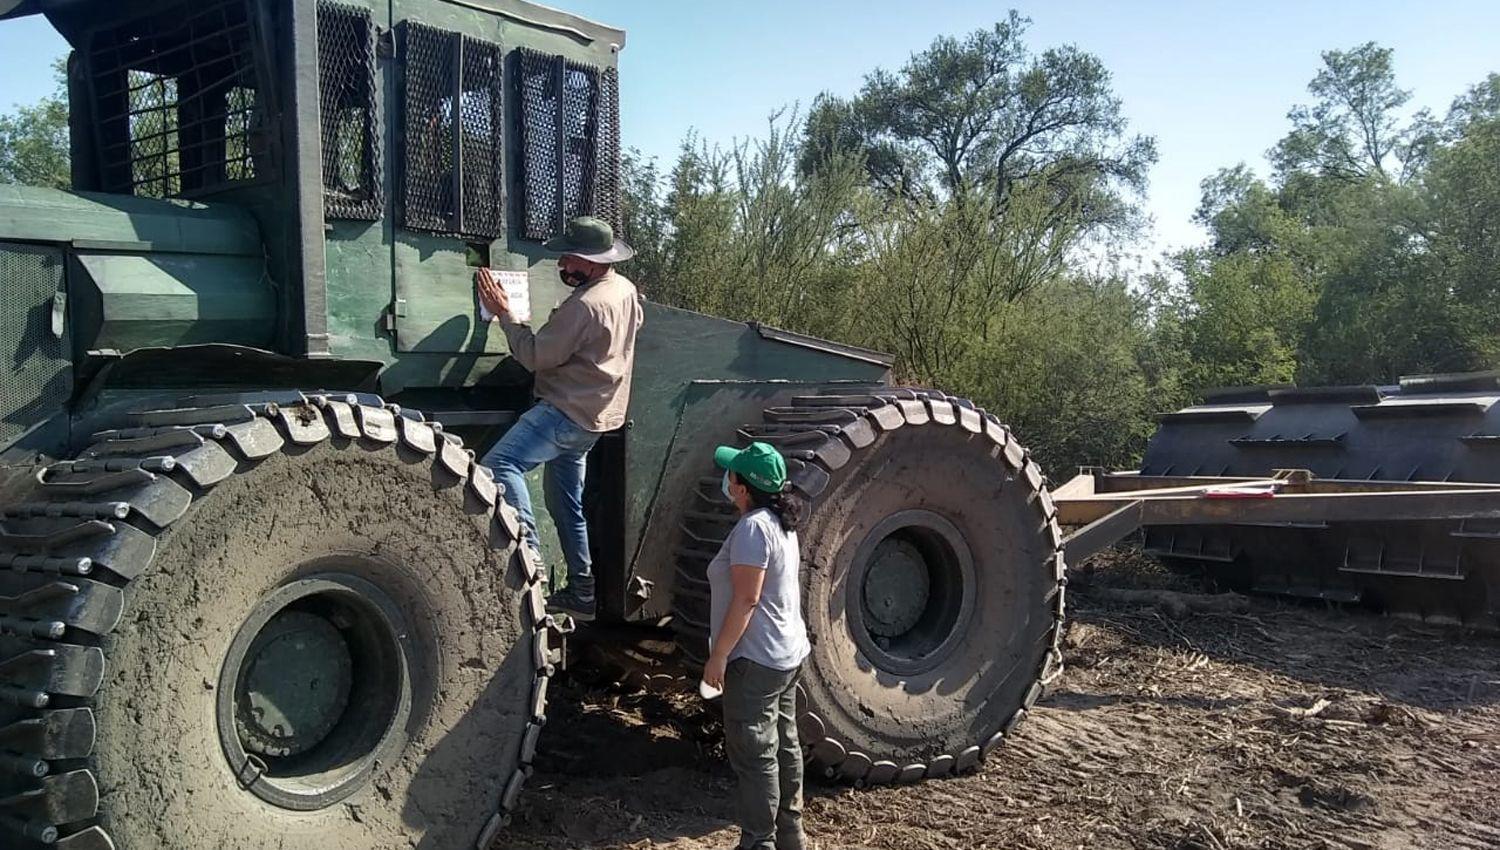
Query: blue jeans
x=545, y=434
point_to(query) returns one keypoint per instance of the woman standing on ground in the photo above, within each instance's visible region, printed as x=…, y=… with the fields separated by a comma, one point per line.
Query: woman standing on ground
x=757, y=642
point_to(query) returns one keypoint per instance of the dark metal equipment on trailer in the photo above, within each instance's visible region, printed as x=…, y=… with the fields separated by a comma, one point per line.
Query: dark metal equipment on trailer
x=251, y=597
x=1388, y=496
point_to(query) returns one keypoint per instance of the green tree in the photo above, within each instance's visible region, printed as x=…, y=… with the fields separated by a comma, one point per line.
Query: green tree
x=748, y=235
x=34, y=139
x=1372, y=254
x=1243, y=214
x=1071, y=372
x=1029, y=152
x=643, y=220
x=1481, y=102
x=1354, y=129
x=1250, y=312
x=741, y=234
x=1462, y=197
x=982, y=111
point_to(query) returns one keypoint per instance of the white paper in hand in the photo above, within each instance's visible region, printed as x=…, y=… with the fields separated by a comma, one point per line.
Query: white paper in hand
x=517, y=286
x=708, y=691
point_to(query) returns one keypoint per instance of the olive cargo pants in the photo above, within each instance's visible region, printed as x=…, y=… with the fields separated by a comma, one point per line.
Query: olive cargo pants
x=760, y=735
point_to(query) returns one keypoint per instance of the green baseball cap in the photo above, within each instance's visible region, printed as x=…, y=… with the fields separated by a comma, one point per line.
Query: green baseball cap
x=758, y=463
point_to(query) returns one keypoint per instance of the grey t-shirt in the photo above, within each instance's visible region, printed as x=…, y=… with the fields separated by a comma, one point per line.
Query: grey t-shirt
x=776, y=636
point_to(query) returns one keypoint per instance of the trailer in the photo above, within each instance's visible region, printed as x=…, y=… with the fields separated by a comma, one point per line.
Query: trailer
x=1381, y=495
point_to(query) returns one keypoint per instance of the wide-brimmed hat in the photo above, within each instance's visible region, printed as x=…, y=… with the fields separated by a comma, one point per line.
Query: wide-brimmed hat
x=592, y=239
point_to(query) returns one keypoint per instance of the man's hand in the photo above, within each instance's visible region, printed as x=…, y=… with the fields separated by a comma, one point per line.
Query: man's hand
x=713, y=671
x=491, y=294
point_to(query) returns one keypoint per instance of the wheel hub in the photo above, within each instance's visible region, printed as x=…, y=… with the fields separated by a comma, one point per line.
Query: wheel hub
x=315, y=690
x=910, y=592
x=296, y=686
x=896, y=588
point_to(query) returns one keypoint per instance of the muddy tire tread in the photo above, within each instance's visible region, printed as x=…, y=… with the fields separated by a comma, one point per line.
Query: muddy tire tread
x=853, y=423
x=71, y=567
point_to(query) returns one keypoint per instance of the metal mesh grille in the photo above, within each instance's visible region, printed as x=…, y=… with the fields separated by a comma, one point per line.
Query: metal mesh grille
x=606, y=199
x=480, y=125
x=179, y=102
x=33, y=375
x=427, y=171
x=570, y=150
x=351, y=131
x=579, y=159
x=540, y=214
x=442, y=192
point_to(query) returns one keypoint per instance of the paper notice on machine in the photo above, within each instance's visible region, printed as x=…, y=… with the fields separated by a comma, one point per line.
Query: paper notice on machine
x=517, y=291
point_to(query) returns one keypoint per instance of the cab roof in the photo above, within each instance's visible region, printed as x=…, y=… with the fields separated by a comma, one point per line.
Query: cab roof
x=70, y=17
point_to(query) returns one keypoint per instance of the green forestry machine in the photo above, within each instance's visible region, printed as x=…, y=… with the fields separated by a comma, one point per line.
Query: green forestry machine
x=250, y=597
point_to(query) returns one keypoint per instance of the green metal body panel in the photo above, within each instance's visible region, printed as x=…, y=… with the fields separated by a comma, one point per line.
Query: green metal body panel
x=35, y=372
x=433, y=283
x=359, y=257
x=159, y=300
x=146, y=272
x=675, y=352
x=358, y=253
x=35, y=214
x=403, y=294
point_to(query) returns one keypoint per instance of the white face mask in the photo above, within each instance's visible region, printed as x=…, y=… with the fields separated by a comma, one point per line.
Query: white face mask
x=724, y=485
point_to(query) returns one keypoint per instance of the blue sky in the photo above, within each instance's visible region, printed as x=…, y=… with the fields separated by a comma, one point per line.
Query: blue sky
x=1212, y=81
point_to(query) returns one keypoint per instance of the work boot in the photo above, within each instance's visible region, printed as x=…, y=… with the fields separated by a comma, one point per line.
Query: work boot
x=572, y=602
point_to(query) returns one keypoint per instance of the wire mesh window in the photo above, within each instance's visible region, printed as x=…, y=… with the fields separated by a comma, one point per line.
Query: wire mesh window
x=480, y=128
x=180, y=101
x=606, y=194
x=452, y=164
x=570, y=143
x=351, y=130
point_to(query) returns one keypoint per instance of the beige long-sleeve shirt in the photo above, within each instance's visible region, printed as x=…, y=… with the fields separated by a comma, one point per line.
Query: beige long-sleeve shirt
x=582, y=357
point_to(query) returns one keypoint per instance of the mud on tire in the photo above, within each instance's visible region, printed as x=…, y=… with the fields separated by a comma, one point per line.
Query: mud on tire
x=184, y=572
x=932, y=576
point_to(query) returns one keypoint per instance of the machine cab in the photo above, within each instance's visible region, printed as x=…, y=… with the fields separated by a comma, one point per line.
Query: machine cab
x=384, y=149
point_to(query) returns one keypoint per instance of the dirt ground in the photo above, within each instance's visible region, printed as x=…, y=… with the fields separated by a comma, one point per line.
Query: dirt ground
x=1264, y=725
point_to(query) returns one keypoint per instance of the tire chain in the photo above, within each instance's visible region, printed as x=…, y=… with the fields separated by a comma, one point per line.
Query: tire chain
x=818, y=435
x=90, y=529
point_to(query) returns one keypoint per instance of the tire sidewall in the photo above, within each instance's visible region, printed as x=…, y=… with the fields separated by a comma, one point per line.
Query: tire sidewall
x=377, y=514
x=980, y=682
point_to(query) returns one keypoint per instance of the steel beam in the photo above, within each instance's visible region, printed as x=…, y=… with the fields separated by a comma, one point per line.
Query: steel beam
x=1105, y=511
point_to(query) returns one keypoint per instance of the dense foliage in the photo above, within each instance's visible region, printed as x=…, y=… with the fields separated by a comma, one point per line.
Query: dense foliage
x=940, y=215
x=34, y=140
x=1373, y=251
x=961, y=213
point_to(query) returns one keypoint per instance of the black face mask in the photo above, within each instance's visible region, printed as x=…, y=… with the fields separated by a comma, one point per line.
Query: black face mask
x=573, y=278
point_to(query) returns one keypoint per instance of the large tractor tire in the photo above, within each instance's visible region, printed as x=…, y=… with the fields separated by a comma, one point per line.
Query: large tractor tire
x=932, y=580
x=294, y=625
